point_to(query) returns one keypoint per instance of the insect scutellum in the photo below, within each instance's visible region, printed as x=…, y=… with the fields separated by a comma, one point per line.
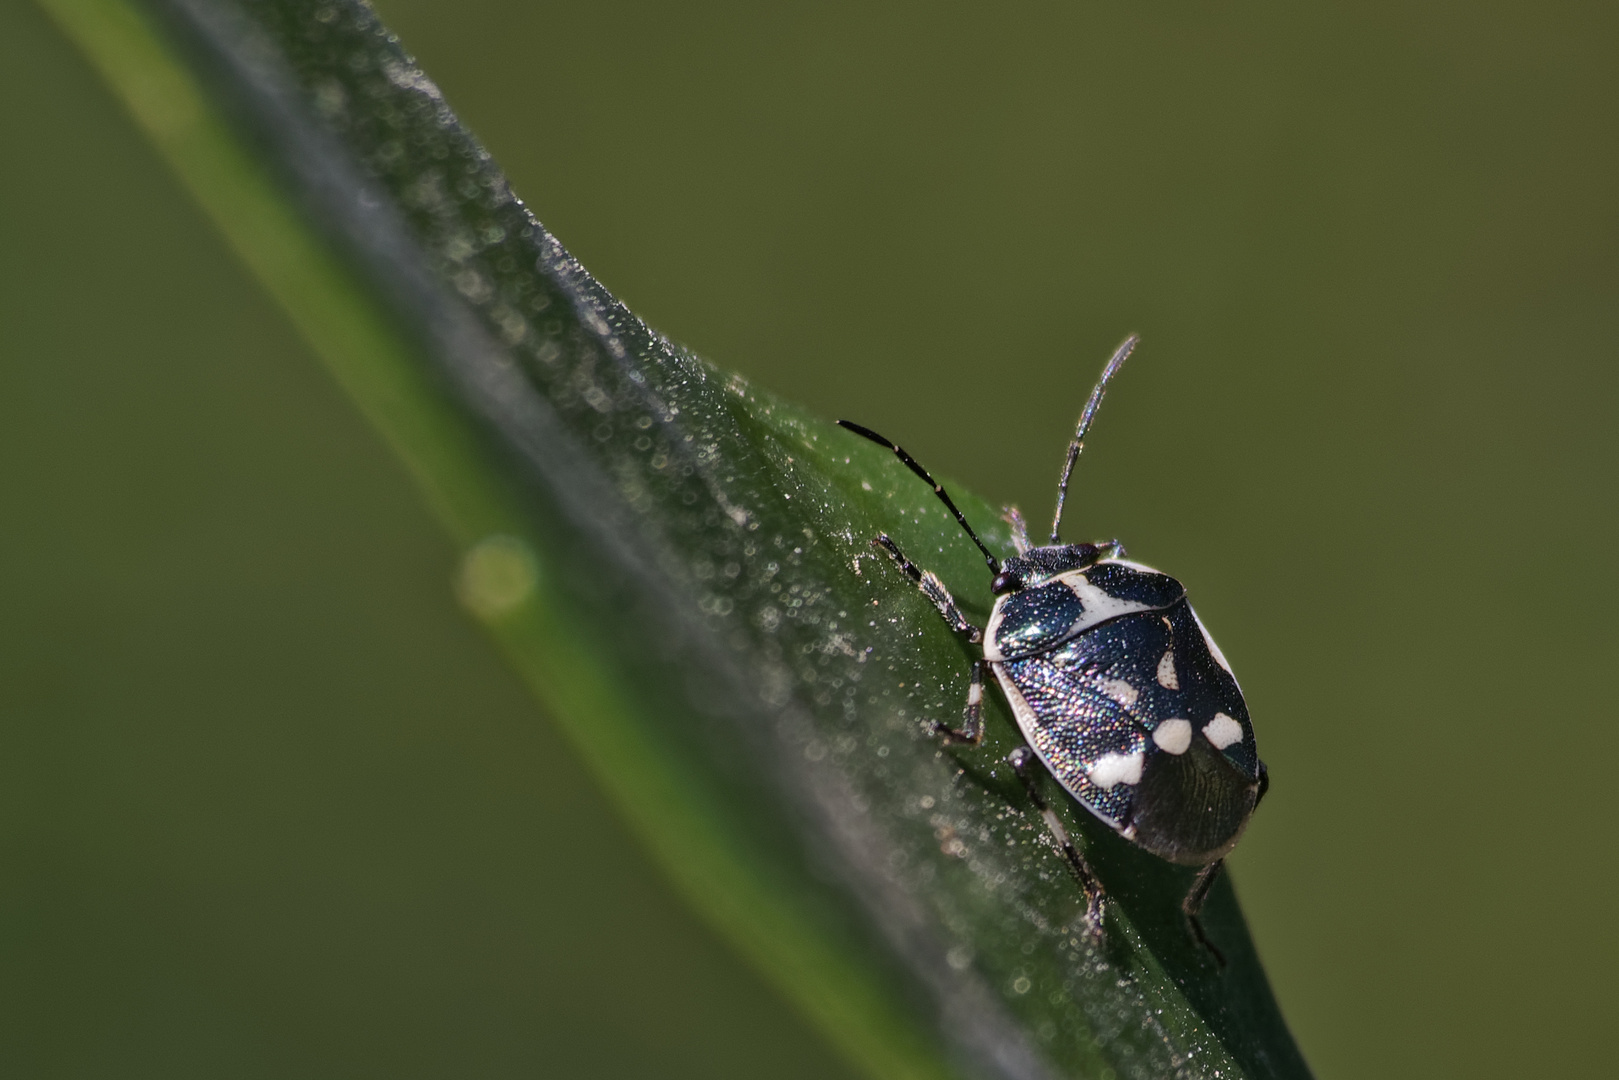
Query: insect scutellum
x=1118, y=690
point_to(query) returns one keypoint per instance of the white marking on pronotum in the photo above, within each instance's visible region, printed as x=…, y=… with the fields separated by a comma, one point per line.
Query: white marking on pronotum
x=1173, y=736
x=1099, y=606
x=1222, y=731
x=1120, y=691
x=1111, y=769
x=992, y=633
x=1166, y=672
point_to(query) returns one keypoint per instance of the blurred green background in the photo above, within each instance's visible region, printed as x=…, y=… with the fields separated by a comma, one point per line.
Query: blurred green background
x=270, y=805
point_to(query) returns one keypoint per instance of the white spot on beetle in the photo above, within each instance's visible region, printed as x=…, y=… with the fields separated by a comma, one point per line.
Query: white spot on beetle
x=1166, y=672
x=975, y=694
x=1222, y=731
x=1111, y=769
x=1120, y=691
x=1173, y=736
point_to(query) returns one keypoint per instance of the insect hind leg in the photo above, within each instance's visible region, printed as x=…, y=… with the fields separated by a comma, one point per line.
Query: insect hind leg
x=1192, y=907
x=1024, y=763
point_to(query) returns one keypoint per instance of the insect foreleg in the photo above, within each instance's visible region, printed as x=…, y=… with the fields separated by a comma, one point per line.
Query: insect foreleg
x=972, y=717
x=1024, y=763
x=933, y=589
x=1020, y=529
x=1112, y=549
x=1193, y=905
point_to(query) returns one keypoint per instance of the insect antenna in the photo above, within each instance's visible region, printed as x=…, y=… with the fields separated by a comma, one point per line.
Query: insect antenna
x=938, y=489
x=1085, y=419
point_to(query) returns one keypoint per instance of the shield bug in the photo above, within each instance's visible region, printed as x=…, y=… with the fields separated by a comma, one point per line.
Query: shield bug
x=1118, y=689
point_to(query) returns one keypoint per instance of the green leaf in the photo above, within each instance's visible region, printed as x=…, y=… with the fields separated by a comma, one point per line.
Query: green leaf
x=679, y=564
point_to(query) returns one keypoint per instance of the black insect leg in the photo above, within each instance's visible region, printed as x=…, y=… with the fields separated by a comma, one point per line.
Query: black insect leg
x=1025, y=764
x=1193, y=904
x=933, y=589
x=971, y=730
x=972, y=717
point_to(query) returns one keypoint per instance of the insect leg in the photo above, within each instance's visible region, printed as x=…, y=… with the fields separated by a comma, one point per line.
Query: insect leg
x=1193, y=904
x=1020, y=529
x=933, y=589
x=972, y=717
x=1110, y=549
x=1024, y=763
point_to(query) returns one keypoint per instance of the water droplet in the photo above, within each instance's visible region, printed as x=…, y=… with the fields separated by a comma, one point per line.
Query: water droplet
x=497, y=576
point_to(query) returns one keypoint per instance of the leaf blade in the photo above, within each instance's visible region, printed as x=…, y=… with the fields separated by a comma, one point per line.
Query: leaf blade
x=793, y=795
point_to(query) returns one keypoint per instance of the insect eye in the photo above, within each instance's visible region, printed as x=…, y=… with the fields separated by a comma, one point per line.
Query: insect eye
x=1005, y=582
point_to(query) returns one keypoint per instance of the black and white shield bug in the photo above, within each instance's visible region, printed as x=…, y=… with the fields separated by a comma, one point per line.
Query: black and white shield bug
x=1118, y=689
